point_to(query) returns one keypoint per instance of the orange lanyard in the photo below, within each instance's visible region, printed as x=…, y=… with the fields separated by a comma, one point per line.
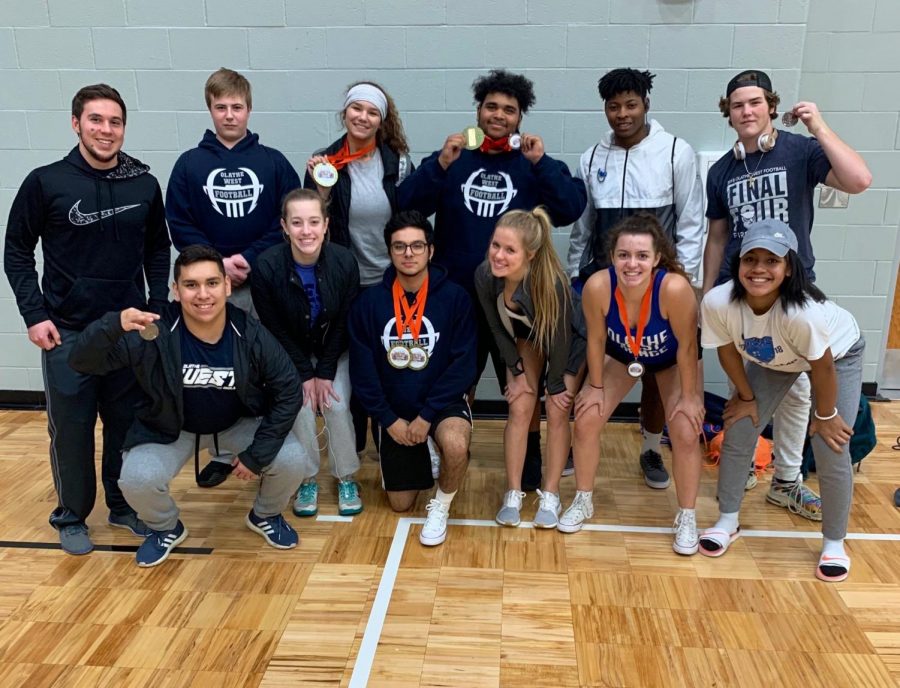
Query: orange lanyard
x=490, y=144
x=409, y=316
x=344, y=157
x=634, y=343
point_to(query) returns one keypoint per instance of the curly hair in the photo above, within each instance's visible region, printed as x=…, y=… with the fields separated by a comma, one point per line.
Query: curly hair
x=624, y=80
x=647, y=223
x=500, y=81
x=390, y=133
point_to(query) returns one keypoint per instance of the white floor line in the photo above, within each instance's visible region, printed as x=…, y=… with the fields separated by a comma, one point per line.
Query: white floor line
x=334, y=518
x=375, y=624
x=366, y=656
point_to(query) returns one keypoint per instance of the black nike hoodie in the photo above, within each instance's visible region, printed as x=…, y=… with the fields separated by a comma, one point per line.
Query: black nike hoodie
x=101, y=233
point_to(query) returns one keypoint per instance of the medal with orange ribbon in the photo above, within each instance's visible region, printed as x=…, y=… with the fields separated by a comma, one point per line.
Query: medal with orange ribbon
x=326, y=173
x=408, y=317
x=635, y=368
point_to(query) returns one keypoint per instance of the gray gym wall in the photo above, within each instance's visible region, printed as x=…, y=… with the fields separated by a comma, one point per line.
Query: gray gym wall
x=300, y=55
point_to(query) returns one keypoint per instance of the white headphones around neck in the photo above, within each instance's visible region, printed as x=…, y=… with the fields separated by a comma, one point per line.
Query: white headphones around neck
x=765, y=142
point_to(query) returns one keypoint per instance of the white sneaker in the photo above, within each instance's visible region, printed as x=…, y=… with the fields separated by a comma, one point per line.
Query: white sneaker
x=582, y=509
x=687, y=540
x=509, y=512
x=435, y=460
x=434, y=531
x=548, y=510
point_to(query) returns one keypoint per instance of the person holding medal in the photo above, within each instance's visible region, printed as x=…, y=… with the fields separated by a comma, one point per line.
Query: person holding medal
x=358, y=175
x=770, y=324
x=524, y=293
x=641, y=315
x=476, y=177
x=412, y=359
x=772, y=174
x=303, y=290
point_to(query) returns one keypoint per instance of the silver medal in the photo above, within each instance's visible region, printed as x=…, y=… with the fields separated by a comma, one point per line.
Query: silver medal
x=635, y=369
x=789, y=119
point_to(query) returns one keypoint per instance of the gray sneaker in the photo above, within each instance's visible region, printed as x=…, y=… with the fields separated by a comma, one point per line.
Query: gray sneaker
x=548, y=510
x=655, y=473
x=509, y=512
x=74, y=539
x=129, y=521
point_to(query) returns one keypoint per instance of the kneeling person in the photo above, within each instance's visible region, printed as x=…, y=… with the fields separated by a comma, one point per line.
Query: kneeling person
x=212, y=376
x=412, y=360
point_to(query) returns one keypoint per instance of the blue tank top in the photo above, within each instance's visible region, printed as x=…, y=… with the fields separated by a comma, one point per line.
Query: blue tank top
x=658, y=345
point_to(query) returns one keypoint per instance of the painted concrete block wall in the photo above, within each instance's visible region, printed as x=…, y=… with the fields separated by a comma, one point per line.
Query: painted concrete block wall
x=300, y=56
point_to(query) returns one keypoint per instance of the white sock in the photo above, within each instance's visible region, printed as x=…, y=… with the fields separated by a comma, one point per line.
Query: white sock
x=833, y=548
x=444, y=498
x=651, y=442
x=728, y=522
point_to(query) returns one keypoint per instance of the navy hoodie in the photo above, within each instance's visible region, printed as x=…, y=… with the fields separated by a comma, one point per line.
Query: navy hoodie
x=470, y=196
x=447, y=334
x=101, y=233
x=229, y=198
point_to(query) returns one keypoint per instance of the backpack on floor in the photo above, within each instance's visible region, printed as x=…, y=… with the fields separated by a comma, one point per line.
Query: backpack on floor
x=761, y=459
x=861, y=444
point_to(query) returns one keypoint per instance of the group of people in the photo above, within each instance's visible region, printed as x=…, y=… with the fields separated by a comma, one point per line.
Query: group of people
x=338, y=298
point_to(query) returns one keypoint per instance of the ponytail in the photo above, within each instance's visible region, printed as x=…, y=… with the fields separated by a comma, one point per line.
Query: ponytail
x=544, y=275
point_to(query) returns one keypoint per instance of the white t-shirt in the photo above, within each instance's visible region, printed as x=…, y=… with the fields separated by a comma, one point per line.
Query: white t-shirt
x=784, y=340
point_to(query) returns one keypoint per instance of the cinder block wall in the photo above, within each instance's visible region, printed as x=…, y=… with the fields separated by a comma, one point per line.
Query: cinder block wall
x=300, y=56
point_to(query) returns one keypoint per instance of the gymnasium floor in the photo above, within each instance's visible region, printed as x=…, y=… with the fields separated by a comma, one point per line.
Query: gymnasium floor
x=361, y=602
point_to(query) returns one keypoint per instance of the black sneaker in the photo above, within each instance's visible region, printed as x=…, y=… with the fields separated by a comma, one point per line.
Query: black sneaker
x=655, y=473
x=531, y=471
x=214, y=473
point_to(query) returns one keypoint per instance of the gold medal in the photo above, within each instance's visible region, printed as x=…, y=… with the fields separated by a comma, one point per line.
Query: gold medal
x=149, y=333
x=325, y=174
x=398, y=356
x=418, y=358
x=474, y=137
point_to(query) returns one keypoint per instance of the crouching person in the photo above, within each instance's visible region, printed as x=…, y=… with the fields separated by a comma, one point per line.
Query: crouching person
x=212, y=377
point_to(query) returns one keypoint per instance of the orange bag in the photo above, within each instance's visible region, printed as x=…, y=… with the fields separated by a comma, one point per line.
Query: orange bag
x=761, y=460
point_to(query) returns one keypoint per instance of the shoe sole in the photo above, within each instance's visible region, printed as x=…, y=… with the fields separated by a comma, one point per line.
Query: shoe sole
x=305, y=513
x=786, y=504
x=657, y=485
x=252, y=526
x=562, y=528
x=567, y=472
x=165, y=555
x=350, y=512
x=76, y=553
x=432, y=542
x=713, y=553
x=686, y=551
x=509, y=524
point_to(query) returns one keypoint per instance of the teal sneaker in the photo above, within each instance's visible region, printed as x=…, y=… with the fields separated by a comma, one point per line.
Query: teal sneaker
x=307, y=500
x=349, y=501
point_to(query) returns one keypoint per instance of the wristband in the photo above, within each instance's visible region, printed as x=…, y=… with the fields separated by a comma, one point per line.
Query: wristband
x=833, y=415
x=595, y=386
x=746, y=401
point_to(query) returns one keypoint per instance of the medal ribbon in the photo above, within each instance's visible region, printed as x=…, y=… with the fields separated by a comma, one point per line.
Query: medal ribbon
x=344, y=157
x=490, y=144
x=634, y=343
x=406, y=315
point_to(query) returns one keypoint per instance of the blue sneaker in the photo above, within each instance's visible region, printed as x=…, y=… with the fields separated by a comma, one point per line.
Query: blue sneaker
x=129, y=521
x=159, y=544
x=274, y=529
x=349, y=501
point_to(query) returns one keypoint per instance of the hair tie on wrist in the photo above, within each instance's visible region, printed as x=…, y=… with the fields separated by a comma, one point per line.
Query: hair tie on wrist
x=746, y=401
x=595, y=386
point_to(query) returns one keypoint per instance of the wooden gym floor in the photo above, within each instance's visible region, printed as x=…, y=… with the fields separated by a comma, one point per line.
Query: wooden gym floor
x=360, y=602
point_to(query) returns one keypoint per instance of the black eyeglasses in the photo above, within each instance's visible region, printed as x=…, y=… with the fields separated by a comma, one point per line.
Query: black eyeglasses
x=398, y=248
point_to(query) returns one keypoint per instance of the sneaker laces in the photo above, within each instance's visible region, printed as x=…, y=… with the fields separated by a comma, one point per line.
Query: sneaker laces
x=548, y=501
x=347, y=491
x=309, y=491
x=279, y=525
x=652, y=460
x=513, y=499
x=685, y=522
x=801, y=498
x=580, y=505
x=436, y=509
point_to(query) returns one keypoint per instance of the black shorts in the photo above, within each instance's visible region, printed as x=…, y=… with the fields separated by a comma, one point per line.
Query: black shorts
x=409, y=468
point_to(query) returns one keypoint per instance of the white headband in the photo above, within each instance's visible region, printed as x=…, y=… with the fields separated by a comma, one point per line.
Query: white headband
x=370, y=94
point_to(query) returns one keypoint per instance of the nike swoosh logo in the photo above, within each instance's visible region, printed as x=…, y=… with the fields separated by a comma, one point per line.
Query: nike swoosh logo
x=76, y=217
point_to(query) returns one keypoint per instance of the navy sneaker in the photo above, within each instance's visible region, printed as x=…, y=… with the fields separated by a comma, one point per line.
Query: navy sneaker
x=159, y=544
x=129, y=521
x=74, y=539
x=274, y=529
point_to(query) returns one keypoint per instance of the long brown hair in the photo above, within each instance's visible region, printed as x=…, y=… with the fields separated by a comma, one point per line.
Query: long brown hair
x=390, y=133
x=648, y=224
x=545, y=272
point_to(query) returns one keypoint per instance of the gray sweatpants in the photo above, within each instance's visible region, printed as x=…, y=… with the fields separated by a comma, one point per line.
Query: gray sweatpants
x=833, y=468
x=148, y=469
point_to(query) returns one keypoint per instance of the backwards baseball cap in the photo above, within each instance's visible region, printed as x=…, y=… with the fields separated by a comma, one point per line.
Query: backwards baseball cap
x=772, y=235
x=752, y=77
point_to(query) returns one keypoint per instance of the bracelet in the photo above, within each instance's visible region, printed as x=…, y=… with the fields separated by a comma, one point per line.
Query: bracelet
x=746, y=401
x=833, y=415
x=595, y=386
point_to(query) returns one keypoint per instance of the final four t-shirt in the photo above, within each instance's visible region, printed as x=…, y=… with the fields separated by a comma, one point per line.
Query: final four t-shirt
x=211, y=403
x=783, y=340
